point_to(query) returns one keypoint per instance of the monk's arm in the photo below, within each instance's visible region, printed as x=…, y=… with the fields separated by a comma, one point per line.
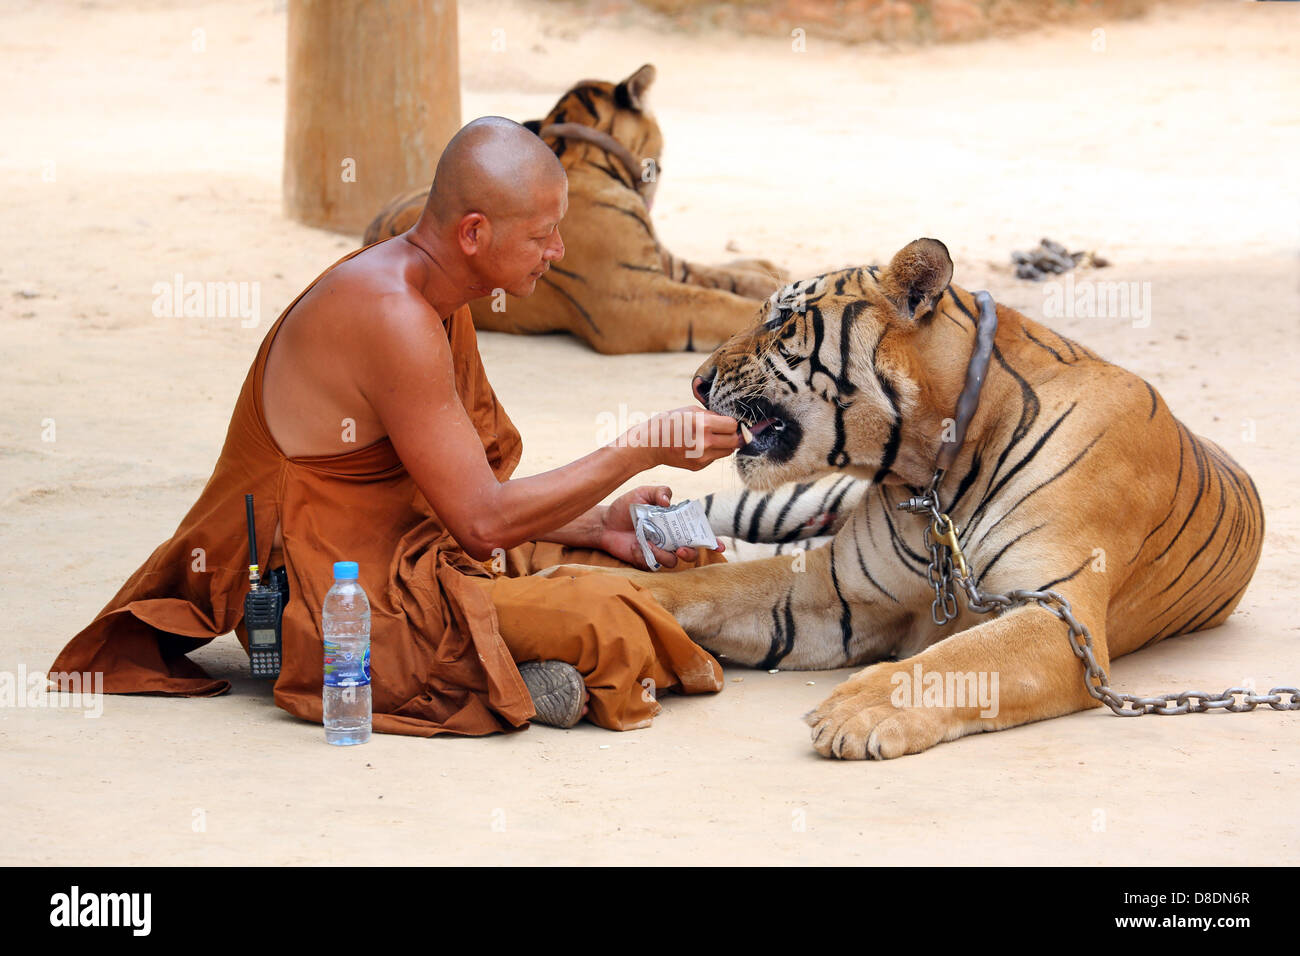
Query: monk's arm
x=408, y=378
x=583, y=531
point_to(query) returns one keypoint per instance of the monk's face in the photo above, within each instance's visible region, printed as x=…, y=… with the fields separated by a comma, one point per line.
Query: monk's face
x=522, y=247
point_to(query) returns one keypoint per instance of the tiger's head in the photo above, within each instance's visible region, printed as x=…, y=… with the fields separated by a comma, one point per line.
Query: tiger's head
x=618, y=109
x=846, y=371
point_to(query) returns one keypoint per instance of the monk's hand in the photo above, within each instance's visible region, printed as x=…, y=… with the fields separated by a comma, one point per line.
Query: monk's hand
x=690, y=437
x=618, y=534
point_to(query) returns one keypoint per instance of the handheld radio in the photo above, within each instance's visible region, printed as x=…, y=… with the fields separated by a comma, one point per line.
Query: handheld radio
x=263, y=608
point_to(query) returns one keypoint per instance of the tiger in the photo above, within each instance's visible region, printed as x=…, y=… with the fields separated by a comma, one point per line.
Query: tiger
x=1073, y=475
x=617, y=287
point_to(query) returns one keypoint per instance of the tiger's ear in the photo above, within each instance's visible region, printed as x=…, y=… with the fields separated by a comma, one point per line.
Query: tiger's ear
x=630, y=94
x=533, y=126
x=916, y=277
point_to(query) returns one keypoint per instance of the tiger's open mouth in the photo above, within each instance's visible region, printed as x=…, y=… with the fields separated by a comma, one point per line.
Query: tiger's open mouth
x=766, y=429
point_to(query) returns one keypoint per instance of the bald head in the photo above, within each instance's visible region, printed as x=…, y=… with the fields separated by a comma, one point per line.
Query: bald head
x=492, y=221
x=493, y=166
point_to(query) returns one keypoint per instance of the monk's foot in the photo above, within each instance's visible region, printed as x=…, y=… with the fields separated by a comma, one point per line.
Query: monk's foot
x=559, y=695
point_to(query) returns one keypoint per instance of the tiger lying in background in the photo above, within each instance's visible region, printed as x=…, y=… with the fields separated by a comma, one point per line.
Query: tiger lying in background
x=616, y=288
x=1073, y=475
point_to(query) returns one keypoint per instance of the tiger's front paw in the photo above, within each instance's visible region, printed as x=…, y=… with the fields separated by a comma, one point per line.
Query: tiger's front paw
x=757, y=278
x=860, y=721
x=763, y=267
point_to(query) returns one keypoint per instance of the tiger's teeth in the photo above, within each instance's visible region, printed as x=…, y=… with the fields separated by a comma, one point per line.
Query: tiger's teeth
x=746, y=434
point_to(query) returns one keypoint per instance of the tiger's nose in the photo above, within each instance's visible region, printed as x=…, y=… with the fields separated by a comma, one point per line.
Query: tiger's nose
x=701, y=387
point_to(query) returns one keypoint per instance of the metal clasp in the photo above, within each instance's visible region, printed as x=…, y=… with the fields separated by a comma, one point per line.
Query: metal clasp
x=944, y=532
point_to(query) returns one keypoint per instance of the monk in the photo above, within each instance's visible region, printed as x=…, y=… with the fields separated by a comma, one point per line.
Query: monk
x=367, y=431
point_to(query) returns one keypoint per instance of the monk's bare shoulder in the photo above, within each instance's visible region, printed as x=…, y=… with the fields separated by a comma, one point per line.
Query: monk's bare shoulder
x=385, y=275
x=361, y=329
x=380, y=322
x=372, y=302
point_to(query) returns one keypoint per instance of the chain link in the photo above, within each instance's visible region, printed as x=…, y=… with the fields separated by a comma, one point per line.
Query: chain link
x=940, y=572
x=941, y=538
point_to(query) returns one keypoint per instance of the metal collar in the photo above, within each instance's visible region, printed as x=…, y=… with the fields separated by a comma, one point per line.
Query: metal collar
x=603, y=140
x=969, y=400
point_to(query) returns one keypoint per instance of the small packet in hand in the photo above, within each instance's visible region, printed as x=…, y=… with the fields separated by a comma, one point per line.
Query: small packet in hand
x=684, y=525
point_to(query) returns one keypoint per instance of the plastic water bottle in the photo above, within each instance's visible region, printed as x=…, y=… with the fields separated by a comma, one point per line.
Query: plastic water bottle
x=346, y=696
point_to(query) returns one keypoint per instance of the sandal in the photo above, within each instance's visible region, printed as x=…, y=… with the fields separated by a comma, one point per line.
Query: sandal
x=557, y=691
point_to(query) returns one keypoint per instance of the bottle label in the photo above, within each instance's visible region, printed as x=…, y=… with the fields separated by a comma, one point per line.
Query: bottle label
x=346, y=668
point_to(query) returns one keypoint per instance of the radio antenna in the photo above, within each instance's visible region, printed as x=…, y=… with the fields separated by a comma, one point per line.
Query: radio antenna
x=254, y=576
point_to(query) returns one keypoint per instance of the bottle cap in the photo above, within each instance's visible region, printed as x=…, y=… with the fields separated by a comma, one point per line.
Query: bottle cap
x=345, y=570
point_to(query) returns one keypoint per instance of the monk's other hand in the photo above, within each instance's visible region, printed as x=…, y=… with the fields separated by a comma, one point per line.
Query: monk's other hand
x=618, y=534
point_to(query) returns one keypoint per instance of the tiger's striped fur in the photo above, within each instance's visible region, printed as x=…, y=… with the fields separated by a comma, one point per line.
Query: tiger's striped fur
x=617, y=287
x=793, y=518
x=1074, y=475
x=795, y=512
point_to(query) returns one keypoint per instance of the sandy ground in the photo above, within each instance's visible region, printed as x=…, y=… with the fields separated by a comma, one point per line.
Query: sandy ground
x=129, y=157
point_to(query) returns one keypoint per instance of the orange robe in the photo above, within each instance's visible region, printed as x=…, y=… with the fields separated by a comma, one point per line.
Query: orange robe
x=442, y=659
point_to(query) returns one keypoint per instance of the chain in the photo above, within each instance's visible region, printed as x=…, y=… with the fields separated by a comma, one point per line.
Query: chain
x=948, y=570
x=940, y=572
